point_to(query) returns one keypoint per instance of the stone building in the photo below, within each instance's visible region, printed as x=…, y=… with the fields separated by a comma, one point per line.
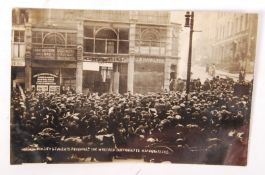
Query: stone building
x=226, y=39
x=235, y=41
x=97, y=51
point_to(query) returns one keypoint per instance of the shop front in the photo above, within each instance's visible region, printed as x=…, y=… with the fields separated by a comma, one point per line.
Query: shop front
x=105, y=77
x=97, y=77
x=105, y=73
x=53, y=80
x=148, y=74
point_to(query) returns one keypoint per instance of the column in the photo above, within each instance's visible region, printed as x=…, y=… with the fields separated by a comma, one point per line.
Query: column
x=116, y=79
x=28, y=75
x=168, y=58
x=130, y=76
x=79, y=77
x=60, y=76
x=79, y=59
x=166, y=74
x=111, y=83
x=28, y=55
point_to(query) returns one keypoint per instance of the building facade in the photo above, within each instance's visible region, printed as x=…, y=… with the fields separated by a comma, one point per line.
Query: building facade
x=96, y=51
x=226, y=39
x=235, y=41
x=204, y=38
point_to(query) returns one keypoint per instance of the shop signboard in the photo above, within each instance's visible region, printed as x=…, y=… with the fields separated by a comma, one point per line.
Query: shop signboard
x=44, y=53
x=107, y=59
x=46, y=82
x=66, y=54
x=150, y=60
x=54, y=53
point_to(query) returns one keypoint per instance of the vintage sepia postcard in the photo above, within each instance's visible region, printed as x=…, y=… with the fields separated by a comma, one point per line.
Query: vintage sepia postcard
x=139, y=86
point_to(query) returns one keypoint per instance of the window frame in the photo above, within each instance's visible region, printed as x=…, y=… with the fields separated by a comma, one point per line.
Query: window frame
x=44, y=34
x=158, y=42
x=117, y=40
x=21, y=39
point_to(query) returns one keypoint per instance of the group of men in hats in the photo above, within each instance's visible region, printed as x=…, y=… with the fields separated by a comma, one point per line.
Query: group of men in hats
x=212, y=120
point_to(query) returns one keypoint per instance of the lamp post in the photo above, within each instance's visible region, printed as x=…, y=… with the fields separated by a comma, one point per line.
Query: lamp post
x=189, y=20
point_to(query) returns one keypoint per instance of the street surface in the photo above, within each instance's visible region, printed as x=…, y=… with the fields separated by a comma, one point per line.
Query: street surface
x=200, y=72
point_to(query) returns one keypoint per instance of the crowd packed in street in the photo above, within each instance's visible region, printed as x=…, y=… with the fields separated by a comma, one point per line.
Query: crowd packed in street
x=210, y=127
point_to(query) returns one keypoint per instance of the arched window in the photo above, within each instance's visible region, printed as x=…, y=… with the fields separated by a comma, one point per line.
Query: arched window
x=53, y=40
x=150, y=36
x=150, y=42
x=106, y=34
x=106, y=41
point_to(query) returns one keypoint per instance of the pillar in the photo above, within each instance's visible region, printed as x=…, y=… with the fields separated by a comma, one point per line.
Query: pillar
x=60, y=76
x=79, y=59
x=130, y=76
x=166, y=74
x=111, y=83
x=116, y=79
x=79, y=77
x=28, y=75
x=167, y=62
x=28, y=55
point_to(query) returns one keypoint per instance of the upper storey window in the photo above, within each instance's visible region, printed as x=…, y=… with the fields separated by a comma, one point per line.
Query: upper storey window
x=106, y=40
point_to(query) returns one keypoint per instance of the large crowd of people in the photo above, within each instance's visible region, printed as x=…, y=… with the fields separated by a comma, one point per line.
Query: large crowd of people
x=206, y=128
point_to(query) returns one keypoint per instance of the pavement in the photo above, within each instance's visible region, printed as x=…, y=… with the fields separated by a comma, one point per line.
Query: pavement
x=199, y=72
